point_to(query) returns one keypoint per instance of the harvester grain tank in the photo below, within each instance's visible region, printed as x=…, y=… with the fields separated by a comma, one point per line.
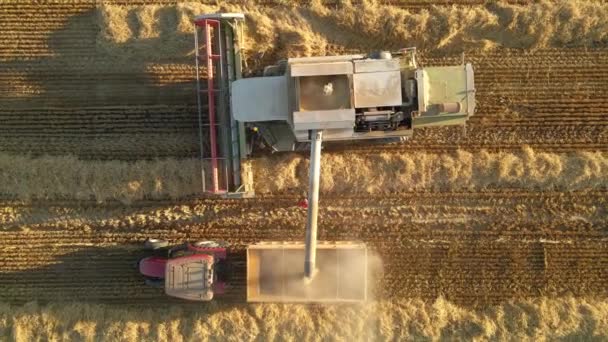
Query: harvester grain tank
x=299, y=103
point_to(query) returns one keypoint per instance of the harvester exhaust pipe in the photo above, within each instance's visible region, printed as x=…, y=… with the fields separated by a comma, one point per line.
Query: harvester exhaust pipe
x=313, y=204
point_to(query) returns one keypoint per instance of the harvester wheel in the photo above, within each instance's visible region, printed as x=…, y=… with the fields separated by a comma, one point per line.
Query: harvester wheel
x=152, y=244
x=210, y=244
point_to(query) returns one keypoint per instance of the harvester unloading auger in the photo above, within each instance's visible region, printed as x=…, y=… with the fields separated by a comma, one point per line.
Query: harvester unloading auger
x=299, y=102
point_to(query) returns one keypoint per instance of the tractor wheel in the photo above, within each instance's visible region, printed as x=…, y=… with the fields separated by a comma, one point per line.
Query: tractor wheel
x=210, y=244
x=153, y=244
x=224, y=270
x=154, y=282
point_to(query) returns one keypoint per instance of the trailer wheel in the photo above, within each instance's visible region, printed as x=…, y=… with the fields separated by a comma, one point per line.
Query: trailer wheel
x=153, y=244
x=210, y=244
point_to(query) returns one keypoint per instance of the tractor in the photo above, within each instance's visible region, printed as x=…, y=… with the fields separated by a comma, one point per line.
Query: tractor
x=192, y=270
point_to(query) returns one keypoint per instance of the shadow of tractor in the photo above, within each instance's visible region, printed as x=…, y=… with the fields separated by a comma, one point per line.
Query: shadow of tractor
x=95, y=274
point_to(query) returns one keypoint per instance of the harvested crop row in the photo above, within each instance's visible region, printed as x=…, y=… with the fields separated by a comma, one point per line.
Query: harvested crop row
x=508, y=206
x=308, y=30
x=542, y=318
x=385, y=172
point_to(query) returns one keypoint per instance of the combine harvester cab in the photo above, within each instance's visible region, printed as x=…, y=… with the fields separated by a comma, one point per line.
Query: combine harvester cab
x=275, y=273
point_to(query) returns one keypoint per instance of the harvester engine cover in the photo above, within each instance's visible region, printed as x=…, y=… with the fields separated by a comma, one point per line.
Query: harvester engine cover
x=352, y=97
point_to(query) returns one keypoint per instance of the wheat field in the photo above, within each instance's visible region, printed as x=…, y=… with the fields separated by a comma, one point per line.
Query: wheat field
x=499, y=234
x=538, y=319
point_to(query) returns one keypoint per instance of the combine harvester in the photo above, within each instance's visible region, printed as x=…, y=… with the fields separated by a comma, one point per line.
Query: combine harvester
x=301, y=102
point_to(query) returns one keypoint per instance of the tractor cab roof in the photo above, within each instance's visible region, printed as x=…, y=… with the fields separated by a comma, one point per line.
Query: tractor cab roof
x=190, y=277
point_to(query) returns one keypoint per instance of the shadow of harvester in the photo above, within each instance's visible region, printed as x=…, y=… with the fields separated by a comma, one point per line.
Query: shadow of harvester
x=90, y=96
